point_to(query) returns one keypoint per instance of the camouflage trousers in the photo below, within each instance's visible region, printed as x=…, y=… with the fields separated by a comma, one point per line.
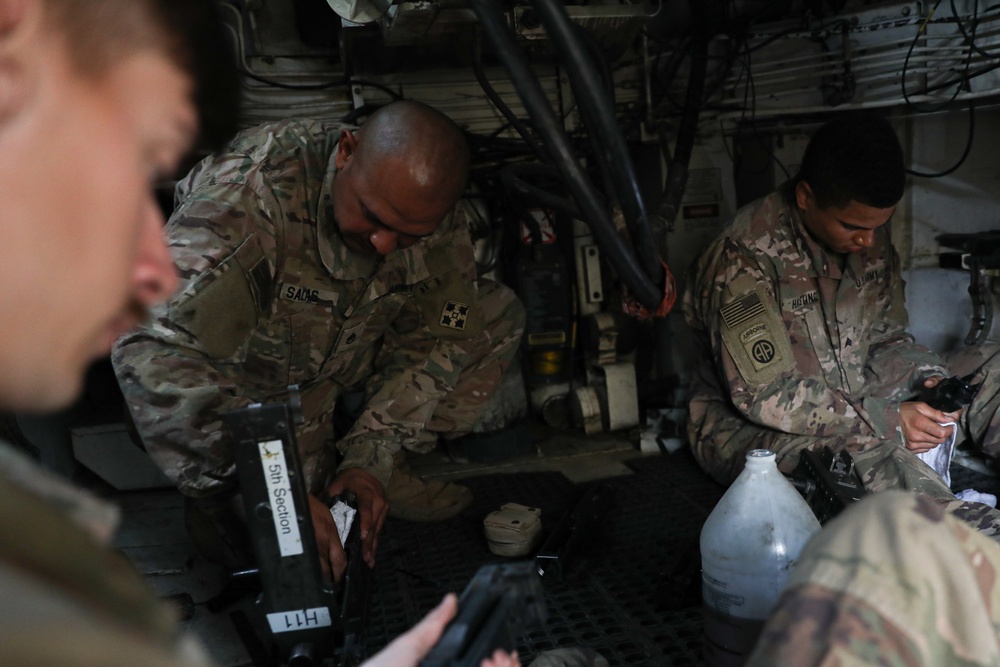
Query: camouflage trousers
x=888, y=465
x=476, y=390
x=894, y=580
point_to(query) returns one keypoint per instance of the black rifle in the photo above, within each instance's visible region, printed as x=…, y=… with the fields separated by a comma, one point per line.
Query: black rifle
x=307, y=620
x=951, y=394
x=500, y=602
x=828, y=481
x=576, y=531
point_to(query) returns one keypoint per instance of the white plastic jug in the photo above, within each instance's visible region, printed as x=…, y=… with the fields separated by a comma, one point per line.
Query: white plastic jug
x=749, y=543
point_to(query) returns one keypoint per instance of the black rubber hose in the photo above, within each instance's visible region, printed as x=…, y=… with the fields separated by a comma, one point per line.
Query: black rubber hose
x=677, y=172
x=510, y=176
x=600, y=119
x=600, y=63
x=491, y=93
x=557, y=144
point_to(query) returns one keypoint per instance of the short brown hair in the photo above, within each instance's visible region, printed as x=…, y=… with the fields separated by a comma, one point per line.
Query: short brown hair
x=190, y=33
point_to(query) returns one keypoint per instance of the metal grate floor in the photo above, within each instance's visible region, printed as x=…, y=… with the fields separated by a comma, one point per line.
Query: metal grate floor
x=634, y=596
x=616, y=598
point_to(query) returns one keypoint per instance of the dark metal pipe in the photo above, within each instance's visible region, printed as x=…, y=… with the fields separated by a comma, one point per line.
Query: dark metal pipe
x=602, y=122
x=558, y=146
x=677, y=171
x=491, y=93
x=510, y=176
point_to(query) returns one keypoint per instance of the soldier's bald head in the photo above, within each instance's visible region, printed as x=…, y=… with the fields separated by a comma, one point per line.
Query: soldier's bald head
x=419, y=143
x=398, y=177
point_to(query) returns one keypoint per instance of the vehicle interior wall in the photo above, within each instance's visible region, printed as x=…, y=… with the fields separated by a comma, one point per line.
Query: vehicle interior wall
x=775, y=71
x=715, y=100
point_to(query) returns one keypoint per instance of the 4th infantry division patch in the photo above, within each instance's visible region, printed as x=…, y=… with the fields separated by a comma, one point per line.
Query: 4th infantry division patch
x=454, y=315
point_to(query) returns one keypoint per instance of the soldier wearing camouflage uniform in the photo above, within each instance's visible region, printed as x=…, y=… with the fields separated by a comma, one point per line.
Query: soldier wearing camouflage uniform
x=894, y=580
x=317, y=255
x=126, y=87
x=798, y=307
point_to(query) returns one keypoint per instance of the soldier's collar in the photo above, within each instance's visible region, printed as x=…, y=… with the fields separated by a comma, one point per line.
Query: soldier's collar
x=340, y=261
x=823, y=263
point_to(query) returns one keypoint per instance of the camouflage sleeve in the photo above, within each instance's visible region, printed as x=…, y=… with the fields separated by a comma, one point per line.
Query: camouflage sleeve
x=773, y=380
x=421, y=358
x=894, y=580
x=182, y=369
x=897, y=365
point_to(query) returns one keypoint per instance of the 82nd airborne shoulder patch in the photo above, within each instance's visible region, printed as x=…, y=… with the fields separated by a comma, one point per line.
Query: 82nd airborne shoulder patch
x=755, y=337
x=454, y=315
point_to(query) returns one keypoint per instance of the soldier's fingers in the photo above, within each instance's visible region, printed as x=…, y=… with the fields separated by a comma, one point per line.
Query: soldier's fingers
x=411, y=647
x=368, y=547
x=325, y=531
x=368, y=533
x=379, y=521
x=938, y=433
x=336, y=487
x=930, y=413
x=919, y=448
x=380, y=514
x=338, y=559
x=925, y=426
x=371, y=560
x=368, y=518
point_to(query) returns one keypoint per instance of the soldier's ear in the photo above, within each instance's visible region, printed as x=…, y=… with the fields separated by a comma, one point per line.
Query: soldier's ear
x=19, y=21
x=346, y=147
x=803, y=195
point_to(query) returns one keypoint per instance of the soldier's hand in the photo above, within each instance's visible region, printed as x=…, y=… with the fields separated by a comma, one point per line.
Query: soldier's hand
x=921, y=426
x=331, y=552
x=372, y=506
x=408, y=649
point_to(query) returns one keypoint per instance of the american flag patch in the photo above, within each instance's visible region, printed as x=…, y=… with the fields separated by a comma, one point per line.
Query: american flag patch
x=741, y=310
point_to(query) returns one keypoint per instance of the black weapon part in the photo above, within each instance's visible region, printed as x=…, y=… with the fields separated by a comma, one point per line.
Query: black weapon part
x=830, y=481
x=575, y=531
x=501, y=601
x=951, y=394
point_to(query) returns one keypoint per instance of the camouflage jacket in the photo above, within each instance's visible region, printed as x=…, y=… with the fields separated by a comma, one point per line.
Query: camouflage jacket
x=795, y=346
x=270, y=296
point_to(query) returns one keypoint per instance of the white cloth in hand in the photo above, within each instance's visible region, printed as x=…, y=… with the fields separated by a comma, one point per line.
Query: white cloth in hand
x=939, y=458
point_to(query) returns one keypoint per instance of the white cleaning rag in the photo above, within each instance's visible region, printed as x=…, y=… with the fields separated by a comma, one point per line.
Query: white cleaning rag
x=971, y=495
x=940, y=457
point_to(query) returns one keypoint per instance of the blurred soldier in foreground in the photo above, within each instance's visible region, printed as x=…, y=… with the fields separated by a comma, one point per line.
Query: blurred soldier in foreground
x=894, y=580
x=98, y=100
